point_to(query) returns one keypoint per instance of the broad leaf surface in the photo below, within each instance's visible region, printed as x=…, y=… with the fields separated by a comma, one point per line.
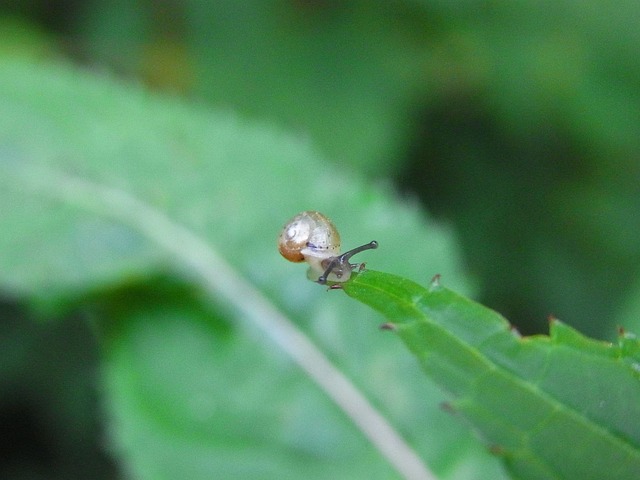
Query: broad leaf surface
x=559, y=406
x=185, y=386
x=233, y=184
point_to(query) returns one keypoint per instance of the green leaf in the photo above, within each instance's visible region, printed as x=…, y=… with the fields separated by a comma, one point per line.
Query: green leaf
x=562, y=406
x=103, y=187
x=186, y=390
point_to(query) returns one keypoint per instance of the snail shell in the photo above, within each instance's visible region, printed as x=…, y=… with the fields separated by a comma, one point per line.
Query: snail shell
x=309, y=234
x=311, y=237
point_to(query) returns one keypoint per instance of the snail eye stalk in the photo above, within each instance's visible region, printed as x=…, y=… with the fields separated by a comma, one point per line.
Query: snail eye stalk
x=342, y=261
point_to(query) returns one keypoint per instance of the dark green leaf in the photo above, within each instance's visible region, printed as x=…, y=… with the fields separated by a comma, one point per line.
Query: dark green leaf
x=100, y=186
x=562, y=406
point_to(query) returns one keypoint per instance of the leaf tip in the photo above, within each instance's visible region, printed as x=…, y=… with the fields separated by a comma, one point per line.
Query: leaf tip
x=514, y=330
x=435, y=282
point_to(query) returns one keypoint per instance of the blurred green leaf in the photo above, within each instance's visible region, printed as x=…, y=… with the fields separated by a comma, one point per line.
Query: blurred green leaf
x=562, y=406
x=102, y=184
x=344, y=74
x=208, y=404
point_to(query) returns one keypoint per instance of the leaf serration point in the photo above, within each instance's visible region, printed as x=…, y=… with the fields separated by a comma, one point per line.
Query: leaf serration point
x=435, y=282
x=388, y=326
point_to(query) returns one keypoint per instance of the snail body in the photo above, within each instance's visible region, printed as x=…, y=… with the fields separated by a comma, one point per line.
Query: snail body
x=311, y=237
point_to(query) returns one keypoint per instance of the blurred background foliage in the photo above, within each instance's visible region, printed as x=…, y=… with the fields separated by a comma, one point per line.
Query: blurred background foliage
x=517, y=123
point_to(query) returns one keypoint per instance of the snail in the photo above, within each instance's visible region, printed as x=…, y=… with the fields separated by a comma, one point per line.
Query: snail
x=311, y=237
